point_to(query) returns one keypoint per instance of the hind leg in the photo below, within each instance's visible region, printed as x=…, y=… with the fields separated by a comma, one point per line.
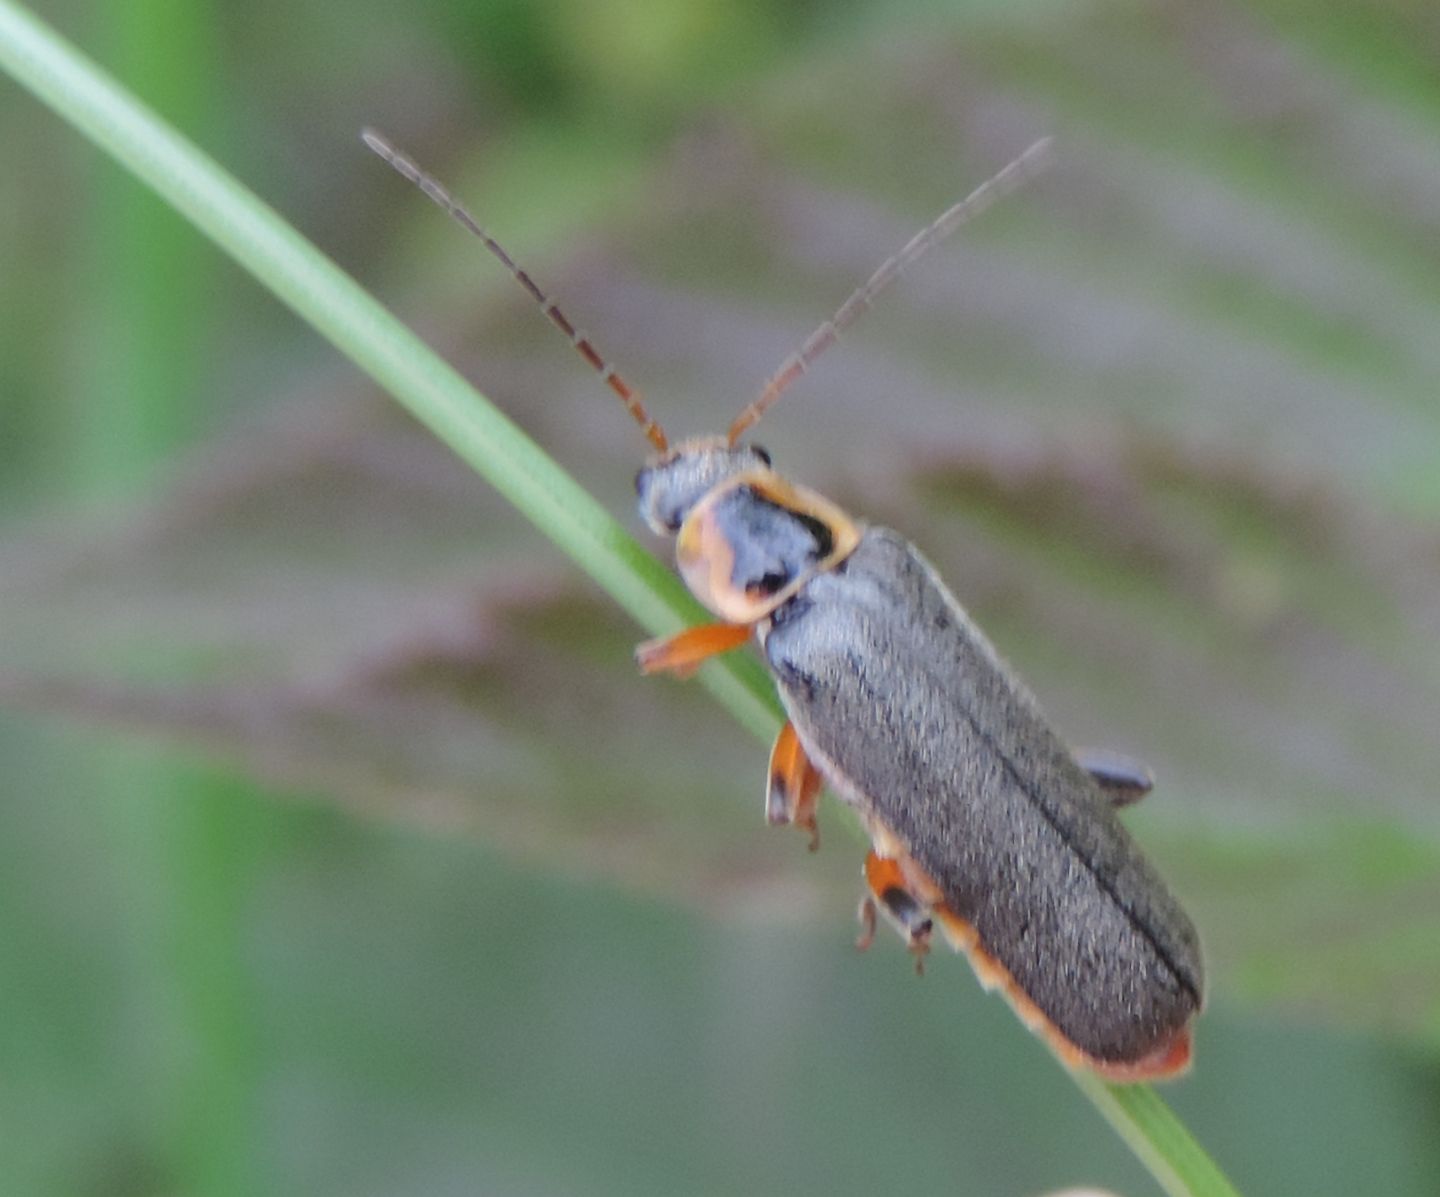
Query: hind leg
x=1122, y=778
x=890, y=895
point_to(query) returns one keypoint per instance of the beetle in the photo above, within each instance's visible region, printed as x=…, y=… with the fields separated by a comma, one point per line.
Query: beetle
x=981, y=821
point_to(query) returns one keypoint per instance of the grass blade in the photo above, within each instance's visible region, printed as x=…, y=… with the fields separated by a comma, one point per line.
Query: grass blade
x=1158, y=1138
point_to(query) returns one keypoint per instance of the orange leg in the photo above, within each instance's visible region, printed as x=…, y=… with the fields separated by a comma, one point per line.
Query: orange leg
x=684, y=653
x=889, y=893
x=794, y=785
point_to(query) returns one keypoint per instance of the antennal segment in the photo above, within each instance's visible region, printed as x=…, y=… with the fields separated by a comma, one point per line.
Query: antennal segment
x=583, y=345
x=1020, y=171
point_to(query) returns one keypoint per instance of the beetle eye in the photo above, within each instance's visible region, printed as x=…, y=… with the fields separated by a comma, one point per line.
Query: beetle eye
x=761, y=452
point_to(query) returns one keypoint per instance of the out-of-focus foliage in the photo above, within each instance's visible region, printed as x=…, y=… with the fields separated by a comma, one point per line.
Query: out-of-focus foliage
x=1166, y=422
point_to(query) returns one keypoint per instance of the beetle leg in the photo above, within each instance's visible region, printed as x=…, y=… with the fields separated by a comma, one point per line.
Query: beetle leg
x=866, y=915
x=910, y=916
x=793, y=787
x=683, y=653
x=1123, y=779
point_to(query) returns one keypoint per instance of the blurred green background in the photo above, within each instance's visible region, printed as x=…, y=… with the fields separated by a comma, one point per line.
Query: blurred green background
x=342, y=852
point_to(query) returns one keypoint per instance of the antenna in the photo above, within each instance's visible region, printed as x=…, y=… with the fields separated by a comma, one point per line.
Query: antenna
x=432, y=188
x=1020, y=171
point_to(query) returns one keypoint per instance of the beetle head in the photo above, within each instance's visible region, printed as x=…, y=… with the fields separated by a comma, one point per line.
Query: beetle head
x=671, y=483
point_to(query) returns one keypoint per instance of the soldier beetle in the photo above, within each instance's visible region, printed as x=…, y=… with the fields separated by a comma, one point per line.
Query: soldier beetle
x=981, y=821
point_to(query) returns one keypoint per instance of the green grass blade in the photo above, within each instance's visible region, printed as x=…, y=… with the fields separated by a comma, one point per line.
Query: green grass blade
x=364, y=331
x=1157, y=1137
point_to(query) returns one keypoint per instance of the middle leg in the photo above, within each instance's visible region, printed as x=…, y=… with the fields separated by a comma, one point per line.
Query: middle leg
x=793, y=786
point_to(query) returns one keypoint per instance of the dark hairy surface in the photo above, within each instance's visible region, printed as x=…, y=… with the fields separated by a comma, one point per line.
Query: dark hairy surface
x=914, y=718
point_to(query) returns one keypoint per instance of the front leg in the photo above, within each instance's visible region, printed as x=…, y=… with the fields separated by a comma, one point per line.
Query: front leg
x=793, y=788
x=683, y=653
